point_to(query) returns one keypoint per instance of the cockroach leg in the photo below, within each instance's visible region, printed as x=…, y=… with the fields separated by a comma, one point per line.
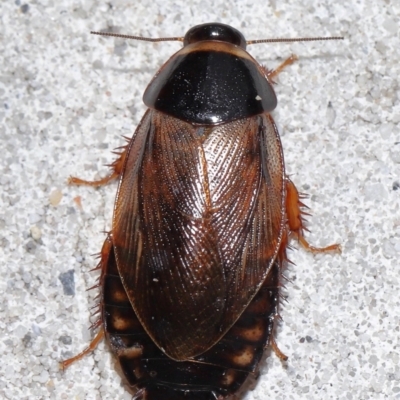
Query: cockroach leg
x=104, y=258
x=116, y=168
x=295, y=219
x=93, y=344
x=275, y=72
x=333, y=247
x=277, y=350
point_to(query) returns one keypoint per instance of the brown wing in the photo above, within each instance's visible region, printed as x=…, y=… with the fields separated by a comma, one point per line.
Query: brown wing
x=197, y=224
x=247, y=189
x=165, y=247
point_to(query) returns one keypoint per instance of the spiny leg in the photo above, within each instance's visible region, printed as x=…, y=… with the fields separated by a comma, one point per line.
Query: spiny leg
x=295, y=227
x=281, y=259
x=295, y=220
x=93, y=344
x=116, y=169
x=277, y=350
x=102, y=265
x=275, y=72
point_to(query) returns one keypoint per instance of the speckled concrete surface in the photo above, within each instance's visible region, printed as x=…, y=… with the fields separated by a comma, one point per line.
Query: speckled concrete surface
x=66, y=99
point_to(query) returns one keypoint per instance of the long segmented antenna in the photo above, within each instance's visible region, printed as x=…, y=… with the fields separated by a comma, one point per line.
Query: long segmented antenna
x=290, y=40
x=181, y=39
x=146, y=39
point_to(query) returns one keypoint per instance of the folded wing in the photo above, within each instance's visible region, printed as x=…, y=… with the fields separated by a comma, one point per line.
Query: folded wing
x=197, y=225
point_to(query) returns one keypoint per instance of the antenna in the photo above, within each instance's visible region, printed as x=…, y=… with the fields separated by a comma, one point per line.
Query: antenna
x=181, y=39
x=146, y=39
x=290, y=40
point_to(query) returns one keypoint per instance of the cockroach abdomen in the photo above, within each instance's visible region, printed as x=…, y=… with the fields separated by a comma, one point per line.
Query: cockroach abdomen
x=217, y=373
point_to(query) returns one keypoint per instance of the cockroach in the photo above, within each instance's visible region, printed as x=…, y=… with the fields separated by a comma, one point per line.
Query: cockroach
x=191, y=270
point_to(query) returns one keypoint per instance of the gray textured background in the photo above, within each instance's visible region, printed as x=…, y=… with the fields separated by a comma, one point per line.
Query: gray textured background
x=66, y=99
